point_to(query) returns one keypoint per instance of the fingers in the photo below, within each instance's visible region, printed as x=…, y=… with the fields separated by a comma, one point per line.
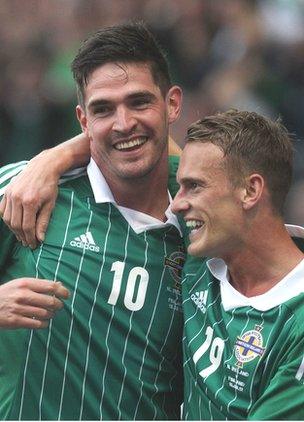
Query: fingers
x=12, y=215
x=22, y=219
x=31, y=195
x=42, y=293
x=27, y=298
x=61, y=291
x=35, y=313
x=6, y=213
x=50, y=303
x=2, y=206
x=52, y=288
x=26, y=322
x=28, y=231
x=43, y=219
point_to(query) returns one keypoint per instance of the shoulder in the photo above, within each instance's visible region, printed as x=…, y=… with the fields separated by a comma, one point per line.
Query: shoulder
x=71, y=175
x=295, y=308
x=8, y=172
x=76, y=181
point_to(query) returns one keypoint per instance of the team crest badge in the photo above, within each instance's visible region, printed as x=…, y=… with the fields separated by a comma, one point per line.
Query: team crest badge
x=175, y=263
x=249, y=346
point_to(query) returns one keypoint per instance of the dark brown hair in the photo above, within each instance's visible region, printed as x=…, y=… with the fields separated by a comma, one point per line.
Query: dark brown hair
x=126, y=43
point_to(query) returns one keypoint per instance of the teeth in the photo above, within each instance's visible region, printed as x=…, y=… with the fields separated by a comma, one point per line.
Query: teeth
x=194, y=224
x=130, y=144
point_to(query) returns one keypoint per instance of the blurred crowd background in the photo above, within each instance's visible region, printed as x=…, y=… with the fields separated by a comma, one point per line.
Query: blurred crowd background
x=246, y=54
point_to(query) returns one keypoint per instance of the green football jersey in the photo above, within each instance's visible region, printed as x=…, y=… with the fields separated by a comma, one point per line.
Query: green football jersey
x=114, y=350
x=243, y=357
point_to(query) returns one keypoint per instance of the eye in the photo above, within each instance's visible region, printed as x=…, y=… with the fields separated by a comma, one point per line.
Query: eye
x=193, y=186
x=140, y=103
x=102, y=110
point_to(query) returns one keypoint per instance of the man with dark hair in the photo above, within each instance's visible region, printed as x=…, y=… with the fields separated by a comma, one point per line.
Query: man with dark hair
x=244, y=309
x=113, y=351
x=124, y=44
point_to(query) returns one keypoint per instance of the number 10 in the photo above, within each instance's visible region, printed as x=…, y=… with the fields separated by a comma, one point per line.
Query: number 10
x=134, y=304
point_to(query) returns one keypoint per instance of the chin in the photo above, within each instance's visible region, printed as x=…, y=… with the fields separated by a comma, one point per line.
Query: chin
x=195, y=251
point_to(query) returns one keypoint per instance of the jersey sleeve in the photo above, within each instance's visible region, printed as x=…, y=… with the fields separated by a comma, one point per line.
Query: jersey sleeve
x=283, y=399
x=8, y=172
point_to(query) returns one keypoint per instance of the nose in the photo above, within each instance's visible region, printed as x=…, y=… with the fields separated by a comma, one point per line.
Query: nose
x=124, y=120
x=180, y=204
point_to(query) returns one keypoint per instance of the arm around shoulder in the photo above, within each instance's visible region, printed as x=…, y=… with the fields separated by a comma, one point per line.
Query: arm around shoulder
x=29, y=199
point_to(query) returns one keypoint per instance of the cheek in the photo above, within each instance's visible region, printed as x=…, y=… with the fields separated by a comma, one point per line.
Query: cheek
x=99, y=127
x=95, y=127
x=154, y=119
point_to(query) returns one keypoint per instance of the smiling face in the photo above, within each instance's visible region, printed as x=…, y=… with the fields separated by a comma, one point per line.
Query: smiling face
x=210, y=205
x=126, y=118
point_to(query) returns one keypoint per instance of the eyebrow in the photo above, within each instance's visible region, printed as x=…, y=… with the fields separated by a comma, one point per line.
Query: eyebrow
x=97, y=103
x=187, y=180
x=142, y=94
x=133, y=96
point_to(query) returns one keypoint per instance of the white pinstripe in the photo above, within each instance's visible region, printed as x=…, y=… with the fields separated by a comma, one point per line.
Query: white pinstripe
x=29, y=346
x=51, y=323
x=107, y=336
x=161, y=350
x=147, y=334
x=125, y=347
x=235, y=393
x=91, y=314
x=72, y=322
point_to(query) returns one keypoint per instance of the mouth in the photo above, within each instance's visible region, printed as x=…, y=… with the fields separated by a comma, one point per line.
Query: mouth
x=194, y=225
x=132, y=144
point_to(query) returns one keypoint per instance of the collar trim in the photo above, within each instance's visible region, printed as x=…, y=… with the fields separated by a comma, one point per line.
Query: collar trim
x=290, y=286
x=139, y=221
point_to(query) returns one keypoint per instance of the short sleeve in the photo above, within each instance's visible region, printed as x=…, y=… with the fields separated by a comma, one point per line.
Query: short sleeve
x=283, y=399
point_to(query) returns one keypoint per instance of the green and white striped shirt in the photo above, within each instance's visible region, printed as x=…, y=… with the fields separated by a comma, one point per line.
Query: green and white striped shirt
x=114, y=351
x=243, y=357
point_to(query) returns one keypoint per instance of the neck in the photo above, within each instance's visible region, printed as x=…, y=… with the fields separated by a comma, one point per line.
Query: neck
x=148, y=194
x=149, y=198
x=268, y=257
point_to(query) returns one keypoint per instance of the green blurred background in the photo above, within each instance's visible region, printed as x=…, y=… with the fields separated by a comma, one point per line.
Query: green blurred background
x=247, y=54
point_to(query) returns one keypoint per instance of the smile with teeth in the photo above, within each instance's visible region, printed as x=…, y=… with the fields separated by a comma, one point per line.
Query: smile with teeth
x=194, y=225
x=136, y=142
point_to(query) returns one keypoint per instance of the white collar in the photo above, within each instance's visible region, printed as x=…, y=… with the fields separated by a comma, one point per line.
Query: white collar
x=139, y=221
x=290, y=286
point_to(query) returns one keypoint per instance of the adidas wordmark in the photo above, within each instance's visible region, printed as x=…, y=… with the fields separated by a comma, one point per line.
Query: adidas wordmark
x=85, y=241
x=200, y=299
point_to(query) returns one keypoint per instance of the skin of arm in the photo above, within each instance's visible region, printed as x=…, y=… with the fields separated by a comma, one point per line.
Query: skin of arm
x=29, y=199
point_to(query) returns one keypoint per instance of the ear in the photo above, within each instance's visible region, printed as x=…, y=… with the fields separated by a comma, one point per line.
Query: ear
x=252, y=192
x=81, y=116
x=174, y=103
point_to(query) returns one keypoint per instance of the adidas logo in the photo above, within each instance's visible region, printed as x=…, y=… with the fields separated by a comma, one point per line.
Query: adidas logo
x=200, y=299
x=85, y=241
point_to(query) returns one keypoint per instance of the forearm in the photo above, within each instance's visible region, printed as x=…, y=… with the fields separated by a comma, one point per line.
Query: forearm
x=29, y=199
x=69, y=154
